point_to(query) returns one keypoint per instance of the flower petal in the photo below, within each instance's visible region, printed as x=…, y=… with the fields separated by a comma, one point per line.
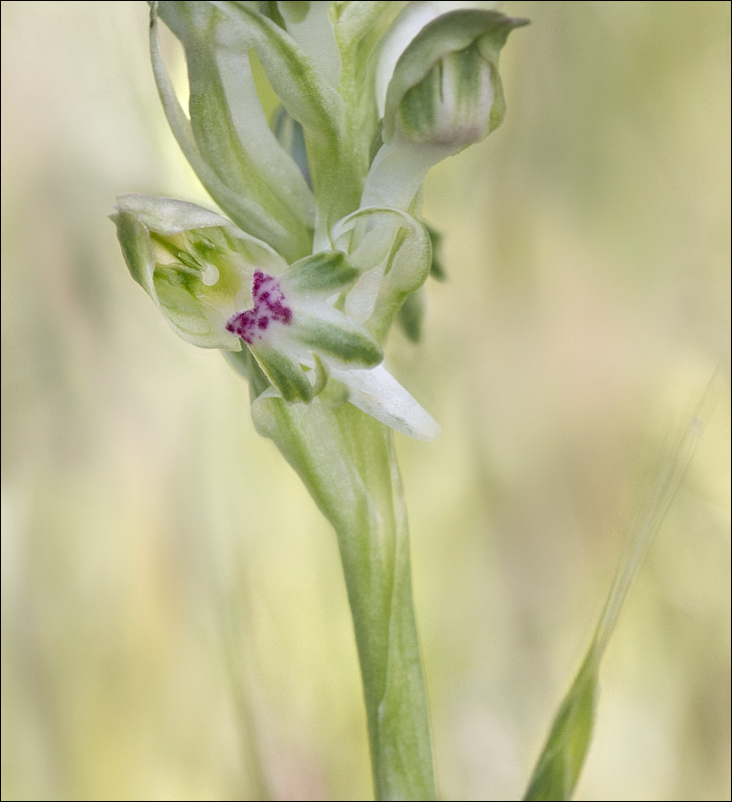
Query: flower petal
x=285, y=373
x=377, y=393
x=335, y=335
x=321, y=274
x=193, y=263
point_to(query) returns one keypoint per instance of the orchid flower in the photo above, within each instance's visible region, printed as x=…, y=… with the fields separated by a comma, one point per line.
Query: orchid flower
x=321, y=249
x=219, y=287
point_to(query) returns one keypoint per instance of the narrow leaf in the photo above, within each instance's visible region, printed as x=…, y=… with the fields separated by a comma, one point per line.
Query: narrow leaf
x=559, y=766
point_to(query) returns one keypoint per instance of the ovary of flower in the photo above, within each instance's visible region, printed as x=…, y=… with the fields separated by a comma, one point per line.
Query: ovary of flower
x=270, y=306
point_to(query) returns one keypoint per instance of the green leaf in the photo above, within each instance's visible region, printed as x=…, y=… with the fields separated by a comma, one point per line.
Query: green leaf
x=358, y=29
x=559, y=766
x=227, y=119
x=316, y=104
x=240, y=204
x=347, y=462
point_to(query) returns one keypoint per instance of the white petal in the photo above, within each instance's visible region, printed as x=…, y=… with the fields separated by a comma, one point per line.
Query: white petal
x=377, y=393
x=397, y=173
x=167, y=215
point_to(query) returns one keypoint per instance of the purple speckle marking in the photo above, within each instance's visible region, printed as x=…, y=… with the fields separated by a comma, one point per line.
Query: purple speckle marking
x=269, y=304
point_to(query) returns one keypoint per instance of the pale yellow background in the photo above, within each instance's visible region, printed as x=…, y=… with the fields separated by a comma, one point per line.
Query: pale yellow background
x=174, y=623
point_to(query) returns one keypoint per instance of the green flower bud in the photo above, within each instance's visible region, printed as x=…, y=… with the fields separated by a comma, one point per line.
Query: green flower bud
x=443, y=93
x=446, y=90
x=452, y=104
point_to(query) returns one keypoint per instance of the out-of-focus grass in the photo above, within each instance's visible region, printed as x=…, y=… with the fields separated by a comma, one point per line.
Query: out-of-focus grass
x=173, y=614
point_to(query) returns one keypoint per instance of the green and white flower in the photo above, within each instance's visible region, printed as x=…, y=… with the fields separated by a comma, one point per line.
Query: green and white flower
x=319, y=253
x=320, y=247
x=219, y=287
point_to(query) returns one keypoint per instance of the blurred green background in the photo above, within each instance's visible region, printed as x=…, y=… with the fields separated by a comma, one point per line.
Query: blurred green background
x=174, y=621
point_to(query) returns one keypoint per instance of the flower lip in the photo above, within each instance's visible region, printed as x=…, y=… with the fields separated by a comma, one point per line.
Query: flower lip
x=269, y=305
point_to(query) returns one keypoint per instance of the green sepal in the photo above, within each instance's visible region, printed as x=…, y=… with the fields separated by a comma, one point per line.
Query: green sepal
x=176, y=299
x=285, y=373
x=134, y=240
x=341, y=339
x=322, y=273
x=394, y=252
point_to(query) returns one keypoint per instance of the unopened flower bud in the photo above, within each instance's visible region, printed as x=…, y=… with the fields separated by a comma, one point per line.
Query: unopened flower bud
x=452, y=104
x=446, y=90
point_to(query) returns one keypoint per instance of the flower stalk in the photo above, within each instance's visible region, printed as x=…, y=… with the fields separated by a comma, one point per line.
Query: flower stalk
x=346, y=460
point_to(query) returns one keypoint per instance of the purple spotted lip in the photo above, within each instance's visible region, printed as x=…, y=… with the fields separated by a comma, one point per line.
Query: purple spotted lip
x=269, y=305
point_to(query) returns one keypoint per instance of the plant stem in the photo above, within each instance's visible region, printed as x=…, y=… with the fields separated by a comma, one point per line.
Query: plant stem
x=346, y=460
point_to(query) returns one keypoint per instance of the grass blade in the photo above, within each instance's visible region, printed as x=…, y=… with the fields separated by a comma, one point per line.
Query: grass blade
x=560, y=763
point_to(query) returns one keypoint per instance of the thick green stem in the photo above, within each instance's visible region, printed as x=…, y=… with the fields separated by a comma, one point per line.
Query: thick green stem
x=346, y=460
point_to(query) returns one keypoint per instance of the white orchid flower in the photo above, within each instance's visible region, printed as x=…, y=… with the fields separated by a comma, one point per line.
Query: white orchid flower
x=323, y=244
